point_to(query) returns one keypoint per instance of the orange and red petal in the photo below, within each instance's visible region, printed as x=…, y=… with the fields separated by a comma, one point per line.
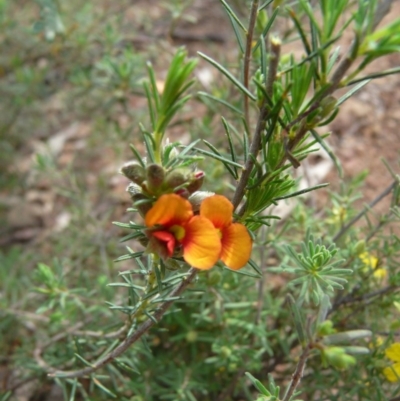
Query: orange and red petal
x=168, y=210
x=218, y=209
x=236, y=246
x=168, y=238
x=202, y=244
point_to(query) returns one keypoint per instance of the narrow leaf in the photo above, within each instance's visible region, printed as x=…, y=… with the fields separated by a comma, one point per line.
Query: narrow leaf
x=224, y=71
x=233, y=15
x=298, y=322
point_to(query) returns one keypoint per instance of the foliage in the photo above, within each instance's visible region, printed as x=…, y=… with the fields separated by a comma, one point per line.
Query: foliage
x=319, y=293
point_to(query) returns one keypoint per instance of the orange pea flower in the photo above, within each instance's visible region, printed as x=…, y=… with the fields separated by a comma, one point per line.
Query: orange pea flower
x=173, y=223
x=235, y=239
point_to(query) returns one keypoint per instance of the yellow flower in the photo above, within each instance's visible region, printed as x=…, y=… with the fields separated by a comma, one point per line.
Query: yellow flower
x=380, y=273
x=369, y=260
x=392, y=373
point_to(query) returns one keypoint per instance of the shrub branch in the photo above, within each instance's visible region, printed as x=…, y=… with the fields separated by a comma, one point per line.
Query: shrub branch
x=132, y=338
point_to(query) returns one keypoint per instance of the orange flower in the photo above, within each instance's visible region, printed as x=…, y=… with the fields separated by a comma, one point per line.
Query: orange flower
x=235, y=239
x=174, y=217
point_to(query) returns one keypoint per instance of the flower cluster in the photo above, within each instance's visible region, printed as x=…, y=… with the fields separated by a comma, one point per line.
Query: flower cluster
x=202, y=239
x=392, y=373
x=371, y=262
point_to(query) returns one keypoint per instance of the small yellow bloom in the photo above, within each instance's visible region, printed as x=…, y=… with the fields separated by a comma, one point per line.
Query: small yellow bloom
x=392, y=373
x=380, y=273
x=369, y=260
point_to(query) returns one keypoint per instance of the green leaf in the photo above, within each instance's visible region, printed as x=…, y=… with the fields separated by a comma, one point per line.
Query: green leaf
x=231, y=13
x=328, y=150
x=376, y=75
x=221, y=101
x=259, y=386
x=351, y=92
x=298, y=321
x=224, y=71
x=232, y=171
x=238, y=33
x=266, y=29
x=301, y=192
x=218, y=157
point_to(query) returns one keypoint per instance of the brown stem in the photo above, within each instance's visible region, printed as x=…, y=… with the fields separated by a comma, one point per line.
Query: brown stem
x=247, y=56
x=254, y=149
x=350, y=299
x=132, y=338
x=370, y=205
x=298, y=373
x=262, y=119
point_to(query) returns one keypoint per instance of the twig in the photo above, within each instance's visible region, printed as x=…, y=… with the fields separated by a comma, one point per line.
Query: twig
x=370, y=205
x=254, y=149
x=350, y=300
x=132, y=338
x=247, y=55
x=262, y=119
x=37, y=353
x=387, y=333
x=21, y=383
x=298, y=373
x=383, y=220
x=367, y=300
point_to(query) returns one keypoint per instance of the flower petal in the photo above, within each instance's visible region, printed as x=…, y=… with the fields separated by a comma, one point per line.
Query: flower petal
x=218, y=209
x=393, y=352
x=168, y=238
x=168, y=210
x=236, y=246
x=202, y=244
x=392, y=373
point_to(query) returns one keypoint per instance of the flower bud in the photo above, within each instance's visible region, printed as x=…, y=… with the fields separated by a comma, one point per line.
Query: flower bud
x=326, y=328
x=328, y=105
x=134, y=171
x=225, y=352
x=346, y=336
x=176, y=178
x=196, y=182
x=155, y=175
x=183, y=192
x=337, y=357
x=134, y=190
x=359, y=247
x=140, y=201
x=198, y=197
x=191, y=336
